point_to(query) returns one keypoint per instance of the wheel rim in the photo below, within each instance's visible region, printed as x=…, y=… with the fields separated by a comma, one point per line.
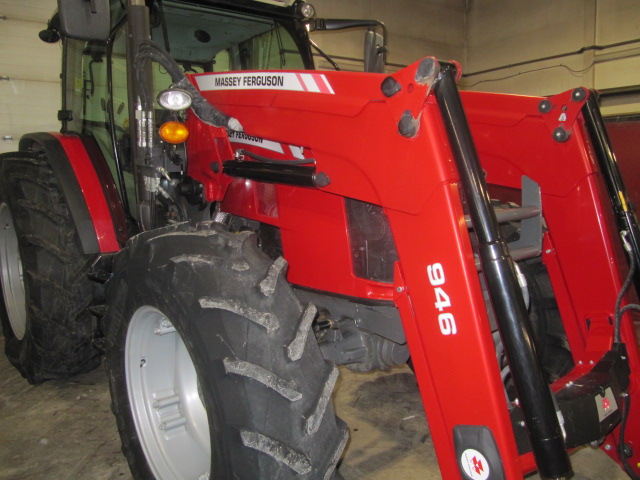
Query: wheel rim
x=162, y=386
x=12, y=278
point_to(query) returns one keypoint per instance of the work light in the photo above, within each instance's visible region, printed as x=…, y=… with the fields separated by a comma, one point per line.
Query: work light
x=174, y=99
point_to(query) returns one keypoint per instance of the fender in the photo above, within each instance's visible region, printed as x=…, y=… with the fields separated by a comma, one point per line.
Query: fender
x=88, y=186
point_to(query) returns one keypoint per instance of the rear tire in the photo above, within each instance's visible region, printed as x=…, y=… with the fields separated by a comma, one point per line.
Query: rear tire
x=213, y=370
x=47, y=328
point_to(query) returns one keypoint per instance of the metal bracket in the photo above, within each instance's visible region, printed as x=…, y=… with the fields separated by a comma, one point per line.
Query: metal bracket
x=407, y=91
x=560, y=112
x=529, y=214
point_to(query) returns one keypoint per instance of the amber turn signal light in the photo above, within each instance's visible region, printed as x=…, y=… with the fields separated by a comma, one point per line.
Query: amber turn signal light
x=174, y=132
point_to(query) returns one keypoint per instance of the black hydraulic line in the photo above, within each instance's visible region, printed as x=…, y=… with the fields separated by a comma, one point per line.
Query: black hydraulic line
x=140, y=84
x=324, y=55
x=625, y=216
x=151, y=51
x=626, y=406
x=619, y=346
x=296, y=175
x=112, y=134
x=619, y=310
x=63, y=83
x=534, y=394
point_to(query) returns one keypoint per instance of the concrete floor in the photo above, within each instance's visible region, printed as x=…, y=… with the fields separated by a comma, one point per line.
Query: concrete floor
x=65, y=430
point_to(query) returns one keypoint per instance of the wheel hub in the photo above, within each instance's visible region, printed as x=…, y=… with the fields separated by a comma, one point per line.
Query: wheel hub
x=12, y=277
x=162, y=385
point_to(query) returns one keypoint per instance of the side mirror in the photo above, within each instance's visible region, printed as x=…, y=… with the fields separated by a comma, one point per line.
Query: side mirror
x=87, y=20
x=374, y=51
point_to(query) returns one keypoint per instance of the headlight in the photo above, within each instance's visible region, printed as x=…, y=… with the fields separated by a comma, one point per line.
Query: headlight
x=174, y=99
x=307, y=10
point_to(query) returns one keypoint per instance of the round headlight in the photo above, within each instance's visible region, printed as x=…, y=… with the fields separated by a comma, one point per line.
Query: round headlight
x=174, y=99
x=307, y=10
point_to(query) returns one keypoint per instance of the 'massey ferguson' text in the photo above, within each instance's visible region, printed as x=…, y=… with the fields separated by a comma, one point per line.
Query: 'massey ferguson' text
x=250, y=81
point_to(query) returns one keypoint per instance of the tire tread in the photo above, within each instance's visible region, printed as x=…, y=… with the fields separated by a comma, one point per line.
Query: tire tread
x=274, y=413
x=60, y=328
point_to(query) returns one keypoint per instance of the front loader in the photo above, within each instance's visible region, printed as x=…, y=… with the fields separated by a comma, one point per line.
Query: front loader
x=228, y=225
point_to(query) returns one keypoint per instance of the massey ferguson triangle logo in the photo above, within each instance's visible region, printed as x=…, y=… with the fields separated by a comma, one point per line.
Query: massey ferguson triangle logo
x=477, y=465
x=474, y=465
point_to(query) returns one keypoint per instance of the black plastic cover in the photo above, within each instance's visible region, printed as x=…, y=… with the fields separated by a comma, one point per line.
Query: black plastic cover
x=477, y=453
x=87, y=20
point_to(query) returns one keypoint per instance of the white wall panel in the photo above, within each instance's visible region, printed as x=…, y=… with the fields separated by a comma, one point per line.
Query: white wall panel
x=24, y=56
x=39, y=11
x=29, y=72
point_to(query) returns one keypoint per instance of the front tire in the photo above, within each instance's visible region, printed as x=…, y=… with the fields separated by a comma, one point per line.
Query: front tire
x=213, y=370
x=46, y=293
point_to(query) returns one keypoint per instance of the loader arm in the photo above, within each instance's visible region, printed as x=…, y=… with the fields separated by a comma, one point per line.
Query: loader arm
x=402, y=142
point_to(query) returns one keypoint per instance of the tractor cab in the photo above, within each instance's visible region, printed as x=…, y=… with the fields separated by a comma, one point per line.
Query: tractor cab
x=108, y=97
x=102, y=87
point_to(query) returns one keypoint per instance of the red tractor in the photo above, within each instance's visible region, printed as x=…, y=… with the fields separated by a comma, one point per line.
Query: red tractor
x=228, y=245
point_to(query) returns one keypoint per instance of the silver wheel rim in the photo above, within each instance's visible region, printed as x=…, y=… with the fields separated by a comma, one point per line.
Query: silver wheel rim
x=162, y=386
x=12, y=278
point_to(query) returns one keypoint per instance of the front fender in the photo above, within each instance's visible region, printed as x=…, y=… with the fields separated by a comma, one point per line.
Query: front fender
x=88, y=188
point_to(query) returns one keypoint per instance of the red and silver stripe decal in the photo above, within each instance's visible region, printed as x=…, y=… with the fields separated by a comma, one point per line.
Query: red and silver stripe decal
x=288, y=81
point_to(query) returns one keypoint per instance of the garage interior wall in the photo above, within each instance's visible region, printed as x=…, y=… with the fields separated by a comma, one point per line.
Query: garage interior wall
x=417, y=28
x=503, y=45
x=29, y=72
x=555, y=46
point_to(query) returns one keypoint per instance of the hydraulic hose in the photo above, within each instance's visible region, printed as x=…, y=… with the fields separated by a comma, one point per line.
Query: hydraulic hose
x=625, y=287
x=623, y=211
x=617, y=338
x=206, y=112
x=626, y=401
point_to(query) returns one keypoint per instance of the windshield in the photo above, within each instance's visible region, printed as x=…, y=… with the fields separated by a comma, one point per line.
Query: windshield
x=212, y=40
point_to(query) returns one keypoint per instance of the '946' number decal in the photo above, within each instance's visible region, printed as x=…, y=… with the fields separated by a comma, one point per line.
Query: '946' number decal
x=446, y=319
